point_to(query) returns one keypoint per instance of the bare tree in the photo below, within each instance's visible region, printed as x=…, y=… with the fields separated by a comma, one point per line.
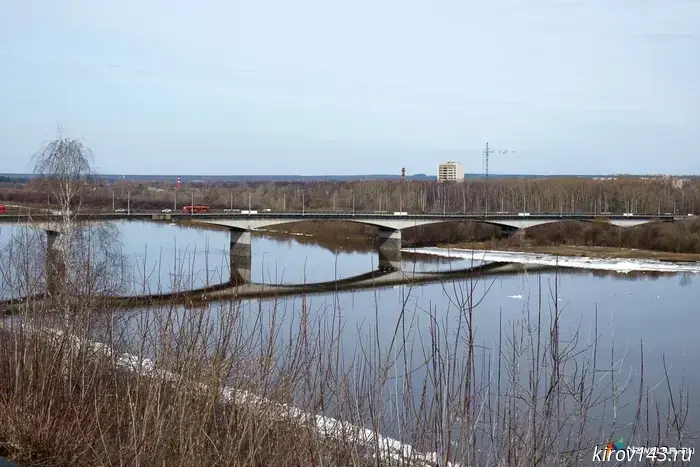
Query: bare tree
x=87, y=255
x=66, y=166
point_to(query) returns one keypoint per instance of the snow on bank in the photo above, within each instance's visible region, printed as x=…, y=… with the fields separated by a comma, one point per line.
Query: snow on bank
x=581, y=262
x=385, y=448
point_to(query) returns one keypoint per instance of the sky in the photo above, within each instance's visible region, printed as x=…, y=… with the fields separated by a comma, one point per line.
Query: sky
x=314, y=87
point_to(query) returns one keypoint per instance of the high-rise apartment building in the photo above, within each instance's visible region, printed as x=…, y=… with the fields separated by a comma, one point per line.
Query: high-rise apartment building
x=450, y=171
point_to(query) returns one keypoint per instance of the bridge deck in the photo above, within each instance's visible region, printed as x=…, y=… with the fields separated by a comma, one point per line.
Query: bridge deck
x=337, y=215
x=240, y=221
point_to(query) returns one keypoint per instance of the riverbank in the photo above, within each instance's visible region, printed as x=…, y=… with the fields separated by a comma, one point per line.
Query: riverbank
x=581, y=251
x=186, y=417
x=616, y=264
x=279, y=425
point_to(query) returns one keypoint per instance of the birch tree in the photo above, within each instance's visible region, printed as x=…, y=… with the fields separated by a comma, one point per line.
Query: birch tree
x=89, y=253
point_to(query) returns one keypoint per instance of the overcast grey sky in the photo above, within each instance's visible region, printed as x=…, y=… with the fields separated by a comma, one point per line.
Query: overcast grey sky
x=361, y=86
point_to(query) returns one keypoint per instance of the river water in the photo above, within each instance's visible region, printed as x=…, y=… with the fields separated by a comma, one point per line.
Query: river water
x=627, y=311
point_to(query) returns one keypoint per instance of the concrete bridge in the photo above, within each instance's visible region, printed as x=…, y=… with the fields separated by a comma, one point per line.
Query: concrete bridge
x=389, y=227
x=385, y=220
x=401, y=221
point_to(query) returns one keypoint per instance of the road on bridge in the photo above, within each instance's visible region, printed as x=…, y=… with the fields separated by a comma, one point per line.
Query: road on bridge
x=29, y=214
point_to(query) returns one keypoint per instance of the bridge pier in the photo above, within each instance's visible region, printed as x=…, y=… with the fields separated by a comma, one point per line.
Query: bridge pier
x=389, y=249
x=240, y=256
x=54, y=263
x=513, y=232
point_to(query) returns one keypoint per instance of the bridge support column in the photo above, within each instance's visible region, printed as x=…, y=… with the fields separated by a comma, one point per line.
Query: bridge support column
x=515, y=233
x=389, y=249
x=54, y=263
x=240, y=252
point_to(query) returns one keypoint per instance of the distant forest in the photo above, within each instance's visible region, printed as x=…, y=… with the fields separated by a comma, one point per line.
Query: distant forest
x=556, y=195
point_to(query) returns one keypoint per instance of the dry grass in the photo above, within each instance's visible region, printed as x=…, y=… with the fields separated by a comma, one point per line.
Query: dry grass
x=63, y=407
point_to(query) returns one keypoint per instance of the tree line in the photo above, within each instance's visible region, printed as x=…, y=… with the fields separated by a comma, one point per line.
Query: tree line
x=648, y=195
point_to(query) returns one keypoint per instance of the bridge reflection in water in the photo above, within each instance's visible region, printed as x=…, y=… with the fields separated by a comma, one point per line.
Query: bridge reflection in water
x=382, y=277
x=378, y=278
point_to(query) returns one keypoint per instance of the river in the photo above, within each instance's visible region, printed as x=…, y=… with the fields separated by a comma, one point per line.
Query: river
x=627, y=309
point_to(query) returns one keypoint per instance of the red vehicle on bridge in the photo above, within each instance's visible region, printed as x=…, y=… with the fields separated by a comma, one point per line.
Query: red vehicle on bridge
x=196, y=209
x=3, y=209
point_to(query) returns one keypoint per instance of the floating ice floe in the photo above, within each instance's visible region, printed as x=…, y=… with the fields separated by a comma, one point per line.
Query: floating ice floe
x=581, y=262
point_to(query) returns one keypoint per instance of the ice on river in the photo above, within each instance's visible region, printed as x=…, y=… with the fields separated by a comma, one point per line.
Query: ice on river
x=609, y=264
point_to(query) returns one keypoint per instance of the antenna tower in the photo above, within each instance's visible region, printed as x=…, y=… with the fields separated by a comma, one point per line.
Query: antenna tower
x=487, y=153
